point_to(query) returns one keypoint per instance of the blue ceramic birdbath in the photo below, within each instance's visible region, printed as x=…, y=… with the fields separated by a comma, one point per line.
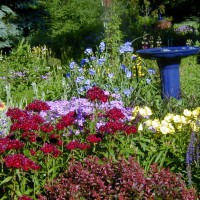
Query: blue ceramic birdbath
x=168, y=60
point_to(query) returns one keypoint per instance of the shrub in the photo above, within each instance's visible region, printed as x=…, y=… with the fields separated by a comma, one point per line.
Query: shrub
x=123, y=179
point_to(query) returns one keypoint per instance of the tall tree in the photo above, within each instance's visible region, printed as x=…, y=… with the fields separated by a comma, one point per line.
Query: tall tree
x=17, y=19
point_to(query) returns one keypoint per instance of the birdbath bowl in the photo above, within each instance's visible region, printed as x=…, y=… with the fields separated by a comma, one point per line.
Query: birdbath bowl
x=168, y=60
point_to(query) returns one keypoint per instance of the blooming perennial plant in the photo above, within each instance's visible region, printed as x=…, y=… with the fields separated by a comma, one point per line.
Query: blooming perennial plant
x=171, y=122
x=46, y=134
x=56, y=130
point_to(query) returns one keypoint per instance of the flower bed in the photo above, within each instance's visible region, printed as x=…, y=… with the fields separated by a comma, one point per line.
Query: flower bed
x=49, y=139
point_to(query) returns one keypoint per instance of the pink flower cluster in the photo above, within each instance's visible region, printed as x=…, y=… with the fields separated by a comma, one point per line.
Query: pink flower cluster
x=96, y=93
x=21, y=162
x=8, y=144
x=75, y=144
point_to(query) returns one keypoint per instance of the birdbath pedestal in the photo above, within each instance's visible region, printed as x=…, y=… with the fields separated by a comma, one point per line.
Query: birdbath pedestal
x=168, y=60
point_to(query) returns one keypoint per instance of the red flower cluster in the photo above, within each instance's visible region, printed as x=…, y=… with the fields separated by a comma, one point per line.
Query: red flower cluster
x=23, y=120
x=96, y=93
x=50, y=149
x=25, y=125
x=111, y=127
x=24, y=197
x=16, y=114
x=46, y=128
x=115, y=114
x=30, y=136
x=21, y=162
x=32, y=152
x=93, y=138
x=66, y=120
x=8, y=144
x=129, y=129
x=69, y=118
x=38, y=106
x=77, y=145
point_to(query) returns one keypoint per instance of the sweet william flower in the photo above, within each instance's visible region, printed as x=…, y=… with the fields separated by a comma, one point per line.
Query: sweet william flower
x=130, y=129
x=72, y=145
x=94, y=138
x=115, y=114
x=21, y=162
x=37, y=106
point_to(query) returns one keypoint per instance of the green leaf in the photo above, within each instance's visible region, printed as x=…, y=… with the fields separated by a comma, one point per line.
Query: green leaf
x=6, y=180
x=158, y=156
x=26, y=152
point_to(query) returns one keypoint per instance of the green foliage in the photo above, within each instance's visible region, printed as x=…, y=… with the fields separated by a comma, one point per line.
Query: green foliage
x=19, y=19
x=112, y=23
x=26, y=66
x=8, y=30
x=71, y=25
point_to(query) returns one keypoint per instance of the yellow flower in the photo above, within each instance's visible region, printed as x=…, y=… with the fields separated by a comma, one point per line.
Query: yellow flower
x=155, y=124
x=187, y=113
x=2, y=106
x=168, y=117
x=140, y=127
x=177, y=119
x=148, y=122
x=179, y=126
x=194, y=126
x=164, y=129
x=145, y=112
x=135, y=112
x=184, y=120
x=196, y=112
